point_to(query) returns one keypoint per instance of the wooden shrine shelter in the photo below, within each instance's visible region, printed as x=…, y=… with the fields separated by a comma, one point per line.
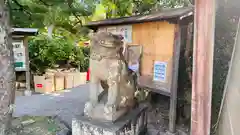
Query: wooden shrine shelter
x=159, y=34
x=20, y=51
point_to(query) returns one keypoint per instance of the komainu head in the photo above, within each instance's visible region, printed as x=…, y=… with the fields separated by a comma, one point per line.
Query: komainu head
x=106, y=39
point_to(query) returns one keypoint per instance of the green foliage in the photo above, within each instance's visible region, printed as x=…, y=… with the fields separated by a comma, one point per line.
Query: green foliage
x=84, y=64
x=66, y=16
x=40, y=13
x=51, y=53
x=145, y=6
x=174, y=3
x=120, y=8
x=38, y=54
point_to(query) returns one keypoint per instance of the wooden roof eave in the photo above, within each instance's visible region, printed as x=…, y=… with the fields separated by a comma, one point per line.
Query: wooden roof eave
x=175, y=16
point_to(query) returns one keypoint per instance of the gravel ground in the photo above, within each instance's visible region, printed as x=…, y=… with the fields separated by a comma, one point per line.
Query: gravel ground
x=65, y=104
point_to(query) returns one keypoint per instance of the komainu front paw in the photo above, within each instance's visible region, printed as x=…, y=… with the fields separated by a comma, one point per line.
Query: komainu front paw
x=108, y=109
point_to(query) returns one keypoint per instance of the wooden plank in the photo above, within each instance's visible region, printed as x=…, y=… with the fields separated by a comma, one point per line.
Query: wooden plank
x=174, y=82
x=147, y=60
x=157, y=39
x=28, y=75
x=147, y=83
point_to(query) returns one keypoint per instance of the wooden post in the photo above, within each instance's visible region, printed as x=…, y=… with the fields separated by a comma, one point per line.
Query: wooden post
x=204, y=24
x=7, y=74
x=28, y=75
x=174, y=83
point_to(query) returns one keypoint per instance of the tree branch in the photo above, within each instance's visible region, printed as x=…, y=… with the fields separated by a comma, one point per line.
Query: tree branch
x=45, y=3
x=22, y=8
x=70, y=6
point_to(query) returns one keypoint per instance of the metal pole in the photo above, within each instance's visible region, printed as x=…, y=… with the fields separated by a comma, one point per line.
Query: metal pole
x=202, y=66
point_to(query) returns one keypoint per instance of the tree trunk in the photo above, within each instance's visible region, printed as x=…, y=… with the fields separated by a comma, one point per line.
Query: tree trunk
x=7, y=74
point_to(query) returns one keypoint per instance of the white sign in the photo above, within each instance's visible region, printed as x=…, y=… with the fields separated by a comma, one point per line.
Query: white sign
x=19, y=55
x=160, y=71
x=113, y=30
x=125, y=31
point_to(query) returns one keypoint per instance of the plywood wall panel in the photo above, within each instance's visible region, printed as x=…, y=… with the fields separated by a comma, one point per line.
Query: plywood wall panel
x=147, y=60
x=157, y=39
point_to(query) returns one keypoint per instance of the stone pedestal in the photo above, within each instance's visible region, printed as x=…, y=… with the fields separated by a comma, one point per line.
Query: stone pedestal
x=169, y=133
x=98, y=113
x=133, y=123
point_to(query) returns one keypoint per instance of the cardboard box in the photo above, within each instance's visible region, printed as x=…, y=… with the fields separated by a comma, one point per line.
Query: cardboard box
x=68, y=80
x=59, y=81
x=50, y=72
x=83, y=77
x=44, y=84
x=80, y=78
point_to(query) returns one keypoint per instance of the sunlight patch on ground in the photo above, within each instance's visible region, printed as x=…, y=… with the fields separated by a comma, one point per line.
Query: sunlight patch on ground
x=57, y=93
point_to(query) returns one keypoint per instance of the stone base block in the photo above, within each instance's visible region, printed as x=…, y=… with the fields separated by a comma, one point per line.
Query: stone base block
x=169, y=133
x=133, y=123
x=98, y=113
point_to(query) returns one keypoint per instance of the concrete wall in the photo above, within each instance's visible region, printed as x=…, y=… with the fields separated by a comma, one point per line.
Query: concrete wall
x=230, y=117
x=227, y=19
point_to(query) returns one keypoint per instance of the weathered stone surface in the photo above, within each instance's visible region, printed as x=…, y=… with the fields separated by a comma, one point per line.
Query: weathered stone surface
x=98, y=113
x=108, y=66
x=133, y=123
x=64, y=132
x=169, y=133
x=153, y=132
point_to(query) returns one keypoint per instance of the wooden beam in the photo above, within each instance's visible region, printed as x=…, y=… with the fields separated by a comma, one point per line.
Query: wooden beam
x=174, y=82
x=28, y=74
x=202, y=66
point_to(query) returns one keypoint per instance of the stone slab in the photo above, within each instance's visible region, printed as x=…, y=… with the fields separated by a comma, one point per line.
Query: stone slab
x=133, y=123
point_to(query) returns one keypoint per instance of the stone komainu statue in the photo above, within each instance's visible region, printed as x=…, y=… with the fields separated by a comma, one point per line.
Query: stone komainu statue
x=109, y=67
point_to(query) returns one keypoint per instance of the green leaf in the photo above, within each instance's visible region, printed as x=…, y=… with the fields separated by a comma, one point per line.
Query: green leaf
x=100, y=13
